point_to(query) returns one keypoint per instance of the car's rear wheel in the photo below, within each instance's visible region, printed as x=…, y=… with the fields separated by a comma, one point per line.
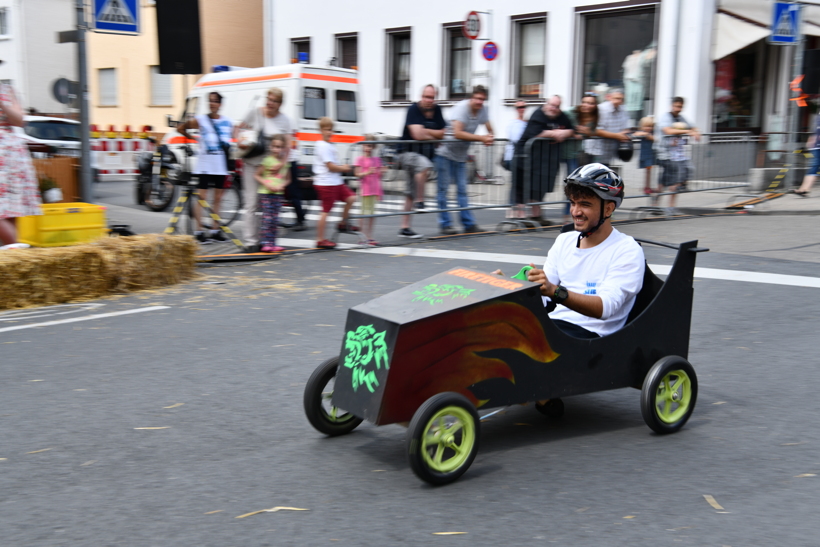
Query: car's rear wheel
x=669, y=393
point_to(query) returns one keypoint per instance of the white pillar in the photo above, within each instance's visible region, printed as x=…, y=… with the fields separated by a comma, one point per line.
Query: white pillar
x=267, y=33
x=695, y=71
x=667, y=59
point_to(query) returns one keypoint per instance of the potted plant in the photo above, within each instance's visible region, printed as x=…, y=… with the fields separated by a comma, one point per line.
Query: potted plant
x=49, y=190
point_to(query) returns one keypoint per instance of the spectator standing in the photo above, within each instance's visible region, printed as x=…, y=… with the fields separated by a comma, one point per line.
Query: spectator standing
x=613, y=128
x=548, y=122
x=451, y=161
x=266, y=121
x=211, y=169
x=272, y=176
x=647, y=157
x=677, y=169
x=368, y=169
x=19, y=193
x=514, y=132
x=584, y=119
x=329, y=185
x=424, y=122
x=814, y=168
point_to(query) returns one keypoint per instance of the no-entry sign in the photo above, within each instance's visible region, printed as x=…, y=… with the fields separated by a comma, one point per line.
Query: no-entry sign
x=472, y=25
x=490, y=51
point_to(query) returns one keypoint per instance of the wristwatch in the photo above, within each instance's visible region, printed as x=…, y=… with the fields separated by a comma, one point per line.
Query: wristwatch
x=561, y=294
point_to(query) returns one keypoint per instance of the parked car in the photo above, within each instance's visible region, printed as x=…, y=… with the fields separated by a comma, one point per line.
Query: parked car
x=61, y=134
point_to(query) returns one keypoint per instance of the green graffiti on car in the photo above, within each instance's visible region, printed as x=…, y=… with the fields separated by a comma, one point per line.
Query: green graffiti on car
x=365, y=348
x=436, y=294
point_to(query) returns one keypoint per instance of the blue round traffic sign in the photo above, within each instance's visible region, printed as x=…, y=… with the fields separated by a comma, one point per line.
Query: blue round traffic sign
x=490, y=51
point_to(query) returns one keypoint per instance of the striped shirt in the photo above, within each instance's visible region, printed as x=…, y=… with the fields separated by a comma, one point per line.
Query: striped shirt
x=613, y=121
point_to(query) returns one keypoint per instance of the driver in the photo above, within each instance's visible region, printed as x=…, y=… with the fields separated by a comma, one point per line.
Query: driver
x=594, y=273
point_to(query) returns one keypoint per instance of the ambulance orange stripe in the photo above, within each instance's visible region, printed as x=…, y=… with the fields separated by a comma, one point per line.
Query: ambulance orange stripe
x=335, y=138
x=322, y=77
x=244, y=80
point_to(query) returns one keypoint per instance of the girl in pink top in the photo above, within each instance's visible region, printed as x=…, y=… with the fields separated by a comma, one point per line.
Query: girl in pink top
x=369, y=171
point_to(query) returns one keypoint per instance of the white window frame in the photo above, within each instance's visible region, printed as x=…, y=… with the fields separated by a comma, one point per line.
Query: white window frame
x=448, y=29
x=154, y=73
x=516, y=22
x=389, y=93
x=101, y=99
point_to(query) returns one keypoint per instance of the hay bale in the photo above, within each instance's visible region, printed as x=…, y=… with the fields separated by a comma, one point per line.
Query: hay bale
x=146, y=261
x=36, y=277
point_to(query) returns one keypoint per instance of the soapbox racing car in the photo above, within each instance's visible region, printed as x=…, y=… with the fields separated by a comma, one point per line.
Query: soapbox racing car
x=435, y=352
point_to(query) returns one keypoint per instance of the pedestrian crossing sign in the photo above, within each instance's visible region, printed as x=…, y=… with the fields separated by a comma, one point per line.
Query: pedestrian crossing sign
x=785, y=23
x=117, y=16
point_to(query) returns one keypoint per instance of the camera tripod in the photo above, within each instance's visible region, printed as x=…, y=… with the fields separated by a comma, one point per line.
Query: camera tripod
x=184, y=205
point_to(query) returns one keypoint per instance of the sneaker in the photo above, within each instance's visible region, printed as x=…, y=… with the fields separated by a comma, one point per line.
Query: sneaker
x=299, y=227
x=342, y=227
x=272, y=249
x=202, y=238
x=325, y=244
x=419, y=205
x=448, y=231
x=542, y=221
x=218, y=235
x=472, y=229
x=372, y=243
x=407, y=232
x=252, y=248
x=671, y=211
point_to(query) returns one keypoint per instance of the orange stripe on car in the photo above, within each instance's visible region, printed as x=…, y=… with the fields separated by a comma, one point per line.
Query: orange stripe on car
x=335, y=138
x=244, y=80
x=308, y=76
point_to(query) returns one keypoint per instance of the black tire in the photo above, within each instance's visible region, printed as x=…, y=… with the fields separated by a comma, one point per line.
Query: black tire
x=138, y=193
x=554, y=408
x=158, y=200
x=671, y=382
x=426, y=442
x=316, y=393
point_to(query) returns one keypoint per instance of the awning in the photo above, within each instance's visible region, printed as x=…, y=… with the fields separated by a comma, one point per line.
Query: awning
x=739, y=23
x=732, y=34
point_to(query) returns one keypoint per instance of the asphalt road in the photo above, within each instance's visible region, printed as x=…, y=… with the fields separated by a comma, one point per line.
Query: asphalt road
x=222, y=370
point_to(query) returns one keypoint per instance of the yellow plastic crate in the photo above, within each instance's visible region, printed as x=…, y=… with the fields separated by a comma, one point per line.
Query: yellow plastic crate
x=63, y=224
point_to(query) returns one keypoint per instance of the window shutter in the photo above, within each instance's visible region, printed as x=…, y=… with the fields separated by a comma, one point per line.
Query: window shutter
x=161, y=93
x=108, y=86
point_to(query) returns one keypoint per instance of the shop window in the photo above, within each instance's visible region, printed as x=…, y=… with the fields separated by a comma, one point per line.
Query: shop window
x=399, y=69
x=737, y=89
x=457, y=62
x=346, y=106
x=529, y=51
x=315, y=105
x=347, y=51
x=619, y=50
x=107, y=81
x=300, y=50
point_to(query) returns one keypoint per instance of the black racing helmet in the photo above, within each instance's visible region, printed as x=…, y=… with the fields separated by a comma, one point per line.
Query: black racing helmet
x=599, y=178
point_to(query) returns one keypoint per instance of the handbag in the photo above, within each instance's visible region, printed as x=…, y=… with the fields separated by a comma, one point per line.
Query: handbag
x=258, y=147
x=230, y=164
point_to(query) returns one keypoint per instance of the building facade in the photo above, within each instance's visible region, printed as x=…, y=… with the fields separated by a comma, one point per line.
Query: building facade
x=652, y=49
x=125, y=86
x=32, y=58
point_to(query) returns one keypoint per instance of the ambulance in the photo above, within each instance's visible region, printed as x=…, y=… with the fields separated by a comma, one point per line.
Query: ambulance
x=310, y=92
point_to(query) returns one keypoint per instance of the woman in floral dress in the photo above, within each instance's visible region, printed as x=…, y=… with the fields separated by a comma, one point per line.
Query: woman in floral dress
x=19, y=192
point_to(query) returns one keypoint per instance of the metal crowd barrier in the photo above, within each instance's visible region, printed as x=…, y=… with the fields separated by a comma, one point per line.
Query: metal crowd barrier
x=719, y=161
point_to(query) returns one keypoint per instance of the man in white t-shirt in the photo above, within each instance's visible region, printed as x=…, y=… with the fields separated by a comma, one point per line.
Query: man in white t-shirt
x=594, y=273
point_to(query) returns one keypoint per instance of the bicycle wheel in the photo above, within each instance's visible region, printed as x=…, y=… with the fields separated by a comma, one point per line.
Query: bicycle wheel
x=229, y=207
x=159, y=198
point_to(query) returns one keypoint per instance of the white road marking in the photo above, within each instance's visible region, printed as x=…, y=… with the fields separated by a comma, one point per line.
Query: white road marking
x=85, y=318
x=35, y=313
x=502, y=258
